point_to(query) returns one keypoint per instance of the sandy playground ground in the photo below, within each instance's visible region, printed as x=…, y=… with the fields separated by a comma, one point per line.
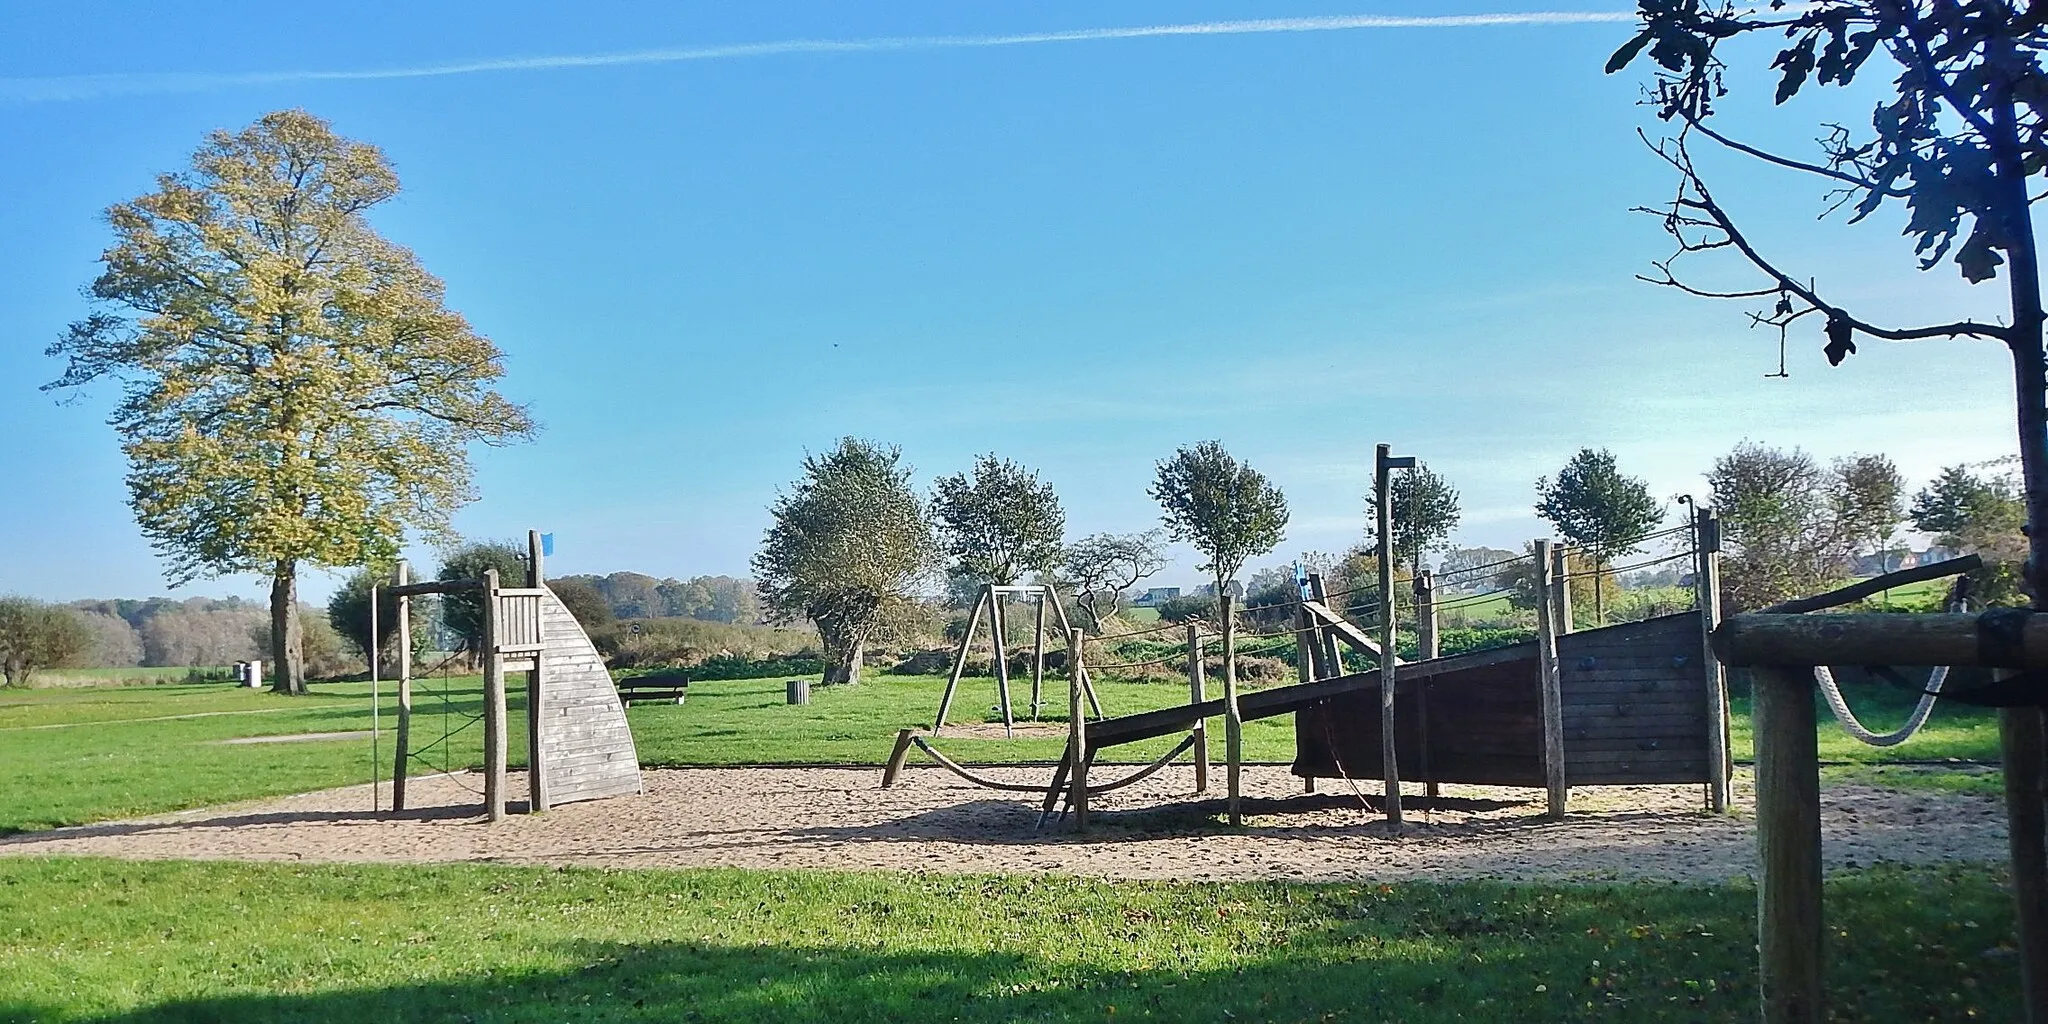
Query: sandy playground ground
x=839, y=818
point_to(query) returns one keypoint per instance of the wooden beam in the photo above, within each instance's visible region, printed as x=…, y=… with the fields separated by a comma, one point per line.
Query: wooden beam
x=433, y=587
x=1550, y=684
x=1426, y=649
x=1789, y=930
x=1233, y=715
x=1197, y=685
x=897, y=754
x=1707, y=587
x=1077, y=729
x=959, y=661
x=1561, y=590
x=1038, y=651
x=2002, y=638
x=494, y=705
x=399, y=763
x=1002, y=663
x=2021, y=751
x=1877, y=585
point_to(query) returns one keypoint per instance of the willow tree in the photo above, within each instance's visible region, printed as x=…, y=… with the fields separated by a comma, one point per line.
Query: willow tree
x=849, y=544
x=294, y=388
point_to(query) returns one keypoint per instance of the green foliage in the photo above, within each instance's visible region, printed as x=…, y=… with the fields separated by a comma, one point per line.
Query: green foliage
x=687, y=643
x=583, y=601
x=849, y=543
x=34, y=636
x=1983, y=515
x=1000, y=523
x=1868, y=501
x=1229, y=511
x=1424, y=514
x=462, y=611
x=348, y=612
x=1461, y=640
x=1596, y=506
x=294, y=388
x=1187, y=608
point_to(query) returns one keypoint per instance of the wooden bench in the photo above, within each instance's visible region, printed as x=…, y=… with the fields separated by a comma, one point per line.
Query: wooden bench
x=659, y=686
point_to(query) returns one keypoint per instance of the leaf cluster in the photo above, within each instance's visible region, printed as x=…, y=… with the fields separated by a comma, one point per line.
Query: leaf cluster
x=1229, y=511
x=1000, y=522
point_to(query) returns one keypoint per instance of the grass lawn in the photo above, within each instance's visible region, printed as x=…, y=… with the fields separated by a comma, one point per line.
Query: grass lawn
x=112, y=941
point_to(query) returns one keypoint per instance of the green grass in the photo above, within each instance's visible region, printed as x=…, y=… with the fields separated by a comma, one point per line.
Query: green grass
x=127, y=676
x=1955, y=731
x=138, y=942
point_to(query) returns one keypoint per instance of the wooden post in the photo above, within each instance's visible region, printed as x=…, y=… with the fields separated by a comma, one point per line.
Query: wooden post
x=1305, y=659
x=896, y=757
x=1561, y=588
x=959, y=661
x=398, y=760
x=1706, y=579
x=1045, y=593
x=2021, y=748
x=1197, y=686
x=1390, y=767
x=1788, y=841
x=1325, y=638
x=995, y=632
x=1077, y=730
x=1233, y=717
x=376, y=707
x=1087, y=688
x=1426, y=648
x=796, y=691
x=494, y=705
x=537, y=782
x=1549, y=682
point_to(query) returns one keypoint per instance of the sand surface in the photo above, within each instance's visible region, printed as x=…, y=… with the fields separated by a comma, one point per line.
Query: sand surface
x=931, y=821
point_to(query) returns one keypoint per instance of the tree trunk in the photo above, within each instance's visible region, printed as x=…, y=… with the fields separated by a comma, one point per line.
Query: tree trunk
x=845, y=664
x=287, y=661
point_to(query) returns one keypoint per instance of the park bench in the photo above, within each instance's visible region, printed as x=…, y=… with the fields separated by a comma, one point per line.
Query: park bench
x=666, y=686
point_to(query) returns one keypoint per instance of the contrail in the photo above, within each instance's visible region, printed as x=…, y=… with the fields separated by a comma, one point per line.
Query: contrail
x=79, y=87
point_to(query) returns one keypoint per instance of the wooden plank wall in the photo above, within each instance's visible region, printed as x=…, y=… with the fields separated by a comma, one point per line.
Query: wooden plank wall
x=1634, y=699
x=586, y=747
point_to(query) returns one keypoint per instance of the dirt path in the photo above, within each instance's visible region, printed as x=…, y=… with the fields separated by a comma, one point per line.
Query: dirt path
x=839, y=818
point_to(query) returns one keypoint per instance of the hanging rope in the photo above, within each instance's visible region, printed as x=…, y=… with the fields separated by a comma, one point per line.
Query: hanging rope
x=1849, y=723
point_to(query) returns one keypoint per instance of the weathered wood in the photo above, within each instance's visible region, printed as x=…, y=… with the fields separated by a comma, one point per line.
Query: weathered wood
x=587, y=750
x=1002, y=665
x=1233, y=712
x=1876, y=585
x=400, y=760
x=1038, y=651
x=1390, y=769
x=897, y=754
x=1426, y=650
x=1561, y=590
x=1077, y=729
x=960, y=661
x=1325, y=639
x=1340, y=628
x=1197, y=687
x=494, y=704
x=2012, y=640
x=2021, y=748
x=540, y=765
x=1550, y=686
x=1789, y=930
x=1707, y=588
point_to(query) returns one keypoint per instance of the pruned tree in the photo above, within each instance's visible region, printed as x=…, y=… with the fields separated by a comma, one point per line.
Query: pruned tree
x=1466, y=568
x=1101, y=567
x=295, y=389
x=348, y=611
x=1229, y=511
x=35, y=636
x=1425, y=512
x=850, y=543
x=1596, y=506
x=462, y=611
x=1000, y=522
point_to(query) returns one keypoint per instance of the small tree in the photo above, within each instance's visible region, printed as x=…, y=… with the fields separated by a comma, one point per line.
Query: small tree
x=1229, y=511
x=36, y=636
x=295, y=389
x=1101, y=567
x=583, y=601
x=1982, y=515
x=462, y=611
x=1000, y=523
x=1594, y=505
x=849, y=543
x=1779, y=518
x=348, y=611
x=1425, y=513
x=1869, y=504
x=1465, y=568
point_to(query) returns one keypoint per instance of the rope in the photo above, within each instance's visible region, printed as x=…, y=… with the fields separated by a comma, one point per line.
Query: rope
x=948, y=764
x=1147, y=771
x=1847, y=718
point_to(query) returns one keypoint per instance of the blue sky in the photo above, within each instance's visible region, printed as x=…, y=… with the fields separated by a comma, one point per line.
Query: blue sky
x=1074, y=252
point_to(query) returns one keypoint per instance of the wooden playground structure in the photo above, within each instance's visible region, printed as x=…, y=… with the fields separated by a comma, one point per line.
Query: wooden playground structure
x=578, y=744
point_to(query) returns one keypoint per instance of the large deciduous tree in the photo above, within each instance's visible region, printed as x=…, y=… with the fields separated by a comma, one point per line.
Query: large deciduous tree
x=1101, y=566
x=1229, y=511
x=1424, y=514
x=849, y=544
x=1596, y=506
x=295, y=389
x=1000, y=522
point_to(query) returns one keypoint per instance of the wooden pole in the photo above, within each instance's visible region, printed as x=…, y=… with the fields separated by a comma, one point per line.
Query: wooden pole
x=494, y=705
x=537, y=782
x=1561, y=588
x=1789, y=929
x=2021, y=748
x=1549, y=682
x=376, y=706
x=1038, y=651
x=1087, y=688
x=1077, y=730
x=1390, y=766
x=398, y=759
x=995, y=632
x=1707, y=583
x=1879, y=638
x=959, y=661
x=1426, y=649
x=1332, y=664
x=1306, y=642
x=1233, y=716
x=1197, y=687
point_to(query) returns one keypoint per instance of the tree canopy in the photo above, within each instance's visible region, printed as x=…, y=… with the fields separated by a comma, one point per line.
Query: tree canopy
x=849, y=543
x=1101, y=566
x=462, y=611
x=1000, y=522
x=1593, y=504
x=1229, y=511
x=1425, y=513
x=36, y=636
x=295, y=388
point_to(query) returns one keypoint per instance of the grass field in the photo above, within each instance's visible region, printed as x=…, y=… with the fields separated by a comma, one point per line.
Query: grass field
x=112, y=941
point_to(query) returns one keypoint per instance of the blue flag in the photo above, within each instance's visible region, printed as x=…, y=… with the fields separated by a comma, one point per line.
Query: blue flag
x=547, y=544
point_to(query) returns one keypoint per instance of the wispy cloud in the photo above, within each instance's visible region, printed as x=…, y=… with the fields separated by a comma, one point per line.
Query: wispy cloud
x=81, y=87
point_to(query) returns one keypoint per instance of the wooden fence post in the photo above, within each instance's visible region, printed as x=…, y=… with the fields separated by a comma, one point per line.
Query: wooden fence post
x=1561, y=588
x=2021, y=749
x=1707, y=583
x=494, y=704
x=537, y=782
x=1426, y=650
x=1197, y=687
x=398, y=759
x=1548, y=680
x=1330, y=660
x=1788, y=842
x=1077, y=728
x=1233, y=717
x=1390, y=762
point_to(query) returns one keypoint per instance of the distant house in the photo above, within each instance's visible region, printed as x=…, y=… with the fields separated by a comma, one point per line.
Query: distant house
x=1209, y=590
x=1156, y=595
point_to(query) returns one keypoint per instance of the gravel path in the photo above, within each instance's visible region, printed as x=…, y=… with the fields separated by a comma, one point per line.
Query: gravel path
x=930, y=821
